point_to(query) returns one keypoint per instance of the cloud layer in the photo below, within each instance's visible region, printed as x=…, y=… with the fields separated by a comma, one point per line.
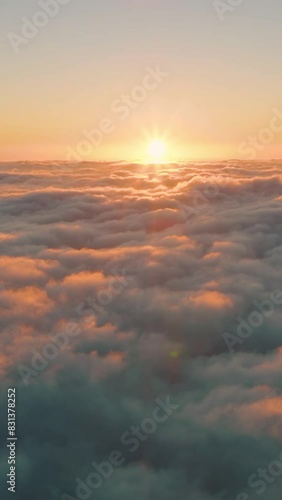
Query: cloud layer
x=144, y=269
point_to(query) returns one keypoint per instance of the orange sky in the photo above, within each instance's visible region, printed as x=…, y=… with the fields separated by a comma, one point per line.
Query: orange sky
x=216, y=101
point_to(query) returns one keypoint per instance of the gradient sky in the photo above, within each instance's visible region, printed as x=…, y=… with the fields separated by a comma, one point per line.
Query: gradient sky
x=224, y=78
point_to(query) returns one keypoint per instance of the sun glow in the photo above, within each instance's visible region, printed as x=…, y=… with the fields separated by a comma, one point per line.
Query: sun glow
x=156, y=151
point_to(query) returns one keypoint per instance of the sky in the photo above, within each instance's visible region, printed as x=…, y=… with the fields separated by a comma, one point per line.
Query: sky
x=222, y=83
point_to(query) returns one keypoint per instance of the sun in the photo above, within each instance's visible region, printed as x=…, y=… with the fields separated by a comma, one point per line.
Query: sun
x=156, y=151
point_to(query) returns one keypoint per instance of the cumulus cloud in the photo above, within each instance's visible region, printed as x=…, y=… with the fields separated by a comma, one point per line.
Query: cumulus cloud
x=151, y=265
